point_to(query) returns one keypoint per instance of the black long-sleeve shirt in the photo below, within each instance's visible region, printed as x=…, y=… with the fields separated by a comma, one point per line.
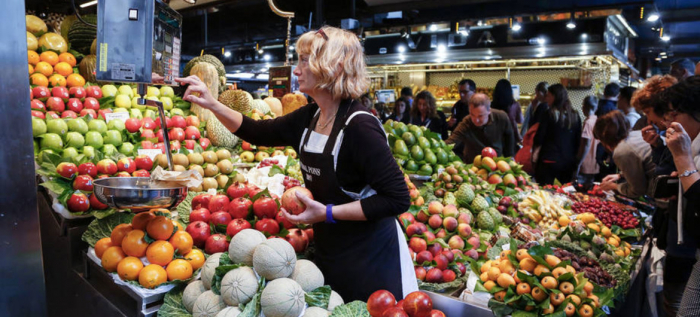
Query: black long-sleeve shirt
x=364, y=157
x=558, y=143
x=437, y=124
x=497, y=133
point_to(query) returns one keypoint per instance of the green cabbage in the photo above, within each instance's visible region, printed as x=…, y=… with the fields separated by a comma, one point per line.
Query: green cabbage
x=354, y=309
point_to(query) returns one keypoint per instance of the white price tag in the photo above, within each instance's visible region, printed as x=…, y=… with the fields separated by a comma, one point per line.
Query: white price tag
x=505, y=247
x=116, y=115
x=150, y=152
x=471, y=281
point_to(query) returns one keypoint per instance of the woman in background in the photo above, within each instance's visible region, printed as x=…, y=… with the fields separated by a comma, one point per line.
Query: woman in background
x=425, y=114
x=503, y=100
x=401, y=112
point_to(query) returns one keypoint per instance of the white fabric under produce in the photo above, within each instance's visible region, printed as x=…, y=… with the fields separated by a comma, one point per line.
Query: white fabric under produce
x=259, y=177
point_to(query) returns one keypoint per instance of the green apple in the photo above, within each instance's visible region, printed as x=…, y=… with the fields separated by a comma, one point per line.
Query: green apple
x=94, y=139
x=113, y=137
x=36, y=148
x=69, y=152
x=122, y=101
x=135, y=103
x=135, y=92
x=38, y=127
x=135, y=113
x=89, y=152
x=78, y=125
x=51, y=141
x=167, y=103
x=177, y=112
x=167, y=91
x=126, y=90
x=109, y=91
x=75, y=139
x=117, y=110
x=97, y=125
x=150, y=113
x=127, y=149
x=116, y=124
x=109, y=150
x=40, y=154
x=57, y=126
x=153, y=92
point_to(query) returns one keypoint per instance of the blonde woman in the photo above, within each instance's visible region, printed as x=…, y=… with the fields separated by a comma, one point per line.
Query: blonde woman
x=357, y=186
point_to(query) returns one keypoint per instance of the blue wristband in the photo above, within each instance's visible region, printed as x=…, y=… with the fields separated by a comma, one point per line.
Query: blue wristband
x=329, y=214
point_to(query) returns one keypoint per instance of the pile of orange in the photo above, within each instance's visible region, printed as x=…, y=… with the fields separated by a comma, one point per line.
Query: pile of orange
x=622, y=248
x=51, y=69
x=499, y=276
x=123, y=250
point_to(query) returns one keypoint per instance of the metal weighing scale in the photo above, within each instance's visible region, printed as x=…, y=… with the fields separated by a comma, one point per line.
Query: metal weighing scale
x=138, y=41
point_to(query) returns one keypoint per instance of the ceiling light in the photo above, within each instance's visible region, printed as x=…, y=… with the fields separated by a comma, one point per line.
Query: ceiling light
x=653, y=17
x=516, y=27
x=260, y=51
x=480, y=23
x=441, y=48
x=541, y=41
x=662, y=53
x=571, y=24
x=89, y=3
x=584, y=36
x=401, y=48
x=191, y=1
x=433, y=27
x=291, y=47
x=227, y=54
x=267, y=57
x=665, y=38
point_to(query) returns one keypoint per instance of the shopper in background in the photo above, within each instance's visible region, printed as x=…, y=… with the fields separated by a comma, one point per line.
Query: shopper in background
x=503, y=100
x=609, y=101
x=366, y=101
x=401, y=112
x=425, y=114
x=483, y=127
x=407, y=93
x=558, y=138
x=588, y=167
x=358, y=189
x=536, y=109
x=380, y=107
x=647, y=101
x=682, y=68
x=467, y=89
x=623, y=104
x=630, y=153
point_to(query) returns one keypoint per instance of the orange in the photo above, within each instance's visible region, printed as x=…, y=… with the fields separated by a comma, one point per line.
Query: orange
x=101, y=246
x=140, y=220
x=31, y=69
x=486, y=266
x=163, y=211
x=538, y=294
x=63, y=68
x=129, y=268
x=588, y=287
x=594, y=299
x=541, y=269
x=33, y=57
x=39, y=79
x=179, y=269
x=49, y=57
x=182, y=242
x=484, y=277
x=506, y=267
x=585, y=310
x=552, y=260
x=528, y=264
x=505, y=280
x=160, y=228
x=549, y=282
x=45, y=68
x=119, y=232
x=523, y=288
x=57, y=80
x=500, y=296
x=67, y=58
x=75, y=80
x=196, y=258
x=521, y=254
x=566, y=288
x=111, y=258
x=556, y=299
x=548, y=310
x=557, y=272
x=489, y=285
x=569, y=310
x=575, y=299
x=152, y=275
x=160, y=252
x=134, y=244
x=178, y=225
x=494, y=272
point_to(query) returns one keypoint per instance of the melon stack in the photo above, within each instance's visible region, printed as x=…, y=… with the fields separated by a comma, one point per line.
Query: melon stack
x=288, y=281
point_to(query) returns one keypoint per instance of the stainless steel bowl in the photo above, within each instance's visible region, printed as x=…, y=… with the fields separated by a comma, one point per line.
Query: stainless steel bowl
x=137, y=193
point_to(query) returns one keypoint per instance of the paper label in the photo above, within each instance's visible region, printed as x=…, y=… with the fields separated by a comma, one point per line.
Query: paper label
x=116, y=115
x=471, y=281
x=505, y=247
x=150, y=152
x=122, y=71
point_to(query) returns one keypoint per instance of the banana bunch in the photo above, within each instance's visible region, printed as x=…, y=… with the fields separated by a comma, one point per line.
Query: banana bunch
x=540, y=206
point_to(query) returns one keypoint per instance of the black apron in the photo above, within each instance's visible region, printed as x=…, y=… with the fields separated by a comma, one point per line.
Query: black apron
x=357, y=258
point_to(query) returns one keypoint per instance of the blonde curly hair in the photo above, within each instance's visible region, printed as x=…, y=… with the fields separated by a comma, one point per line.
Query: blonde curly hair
x=337, y=60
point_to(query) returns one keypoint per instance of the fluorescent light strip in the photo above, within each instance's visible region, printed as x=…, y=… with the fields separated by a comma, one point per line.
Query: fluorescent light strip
x=87, y=4
x=624, y=22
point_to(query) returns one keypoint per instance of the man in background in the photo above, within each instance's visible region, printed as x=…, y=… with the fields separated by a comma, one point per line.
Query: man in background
x=682, y=68
x=536, y=109
x=467, y=89
x=407, y=93
x=609, y=101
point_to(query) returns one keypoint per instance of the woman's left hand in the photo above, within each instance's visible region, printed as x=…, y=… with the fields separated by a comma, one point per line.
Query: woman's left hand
x=608, y=185
x=315, y=211
x=678, y=140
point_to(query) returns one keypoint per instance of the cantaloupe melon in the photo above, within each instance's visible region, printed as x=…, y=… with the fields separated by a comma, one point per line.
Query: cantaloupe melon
x=260, y=105
x=229, y=312
x=239, y=286
x=208, y=305
x=209, y=269
x=192, y=291
x=275, y=106
x=243, y=246
x=282, y=297
x=308, y=275
x=335, y=301
x=274, y=258
x=316, y=312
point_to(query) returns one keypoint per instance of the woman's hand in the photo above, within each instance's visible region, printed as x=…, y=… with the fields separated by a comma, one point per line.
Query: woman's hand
x=197, y=92
x=608, y=185
x=611, y=178
x=678, y=140
x=650, y=136
x=315, y=211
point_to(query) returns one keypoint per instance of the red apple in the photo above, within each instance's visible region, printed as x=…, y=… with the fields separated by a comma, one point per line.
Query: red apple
x=435, y=221
x=55, y=104
x=38, y=114
x=52, y=115
x=160, y=146
x=204, y=143
x=178, y=122
x=159, y=135
x=201, y=201
x=448, y=254
x=91, y=103
x=78, y=92
x=96, y=204
x=283, y=221
x=141, y=173
x=148, y=123
x=67, y=170
x=441, y=261
x=399, y=304
x=414, y=230
x=192, y=121
x=246, y=146
x=38, y=105
x=88, y=112
x=94, y=91
x=192, y=133
x=298, y=239
x=420, y=272
x=41, y=92
x=189, y=144
x=176, y=134
x=147, y=145
x=435, y=249
x=488, y=152
x=408, y=217
x=126, y=164
x=168, y=123
x=291, y=203
x=265, y=207
x=143, y=162
x=220, y=218
x=235, y=226
x=394, y=312
x=122, y=174
x=436, y=313
x=102, y=113
x=417, y=244
x=88, y=168
x=74, y=104
x=216, y=243
x=448, y=276
x=78, y=202
x=268, y=225
x=379, y=302
x=219, y=203
x=239, y=207
x=200, y=214
x=423, y=257
x=462, y=268
x=147, y=134
x=69, y=114
x=434, y=275
x=200, y=231
x=83, y=183
x=60, y=92
x=133, y=125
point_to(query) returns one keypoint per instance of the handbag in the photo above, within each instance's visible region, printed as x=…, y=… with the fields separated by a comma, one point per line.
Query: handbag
x=529, y=154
